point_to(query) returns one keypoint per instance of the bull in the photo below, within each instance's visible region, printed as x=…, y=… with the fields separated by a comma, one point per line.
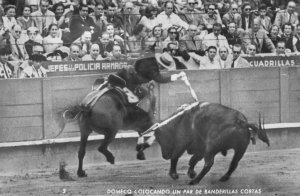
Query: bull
x=203, y=131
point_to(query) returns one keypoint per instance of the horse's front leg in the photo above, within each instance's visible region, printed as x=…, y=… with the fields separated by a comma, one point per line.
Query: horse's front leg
x=109, y=136
x=141, y=146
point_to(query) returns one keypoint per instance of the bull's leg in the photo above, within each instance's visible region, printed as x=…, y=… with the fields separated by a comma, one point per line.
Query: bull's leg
x=234, y=163
x=209, y=161
x=173, y=170
x=108, y=138
x=193, y=161
x=81, y=153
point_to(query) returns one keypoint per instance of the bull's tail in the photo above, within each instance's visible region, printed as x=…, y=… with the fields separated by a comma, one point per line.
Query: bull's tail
x=70, y=114
x=259, y=131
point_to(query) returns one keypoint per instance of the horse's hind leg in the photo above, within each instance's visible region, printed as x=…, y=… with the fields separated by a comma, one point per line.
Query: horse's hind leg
x=238, y=154
x=85, y=132
x=109, y=136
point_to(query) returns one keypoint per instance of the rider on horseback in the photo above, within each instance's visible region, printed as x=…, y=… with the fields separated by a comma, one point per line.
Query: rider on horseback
x=130, y=80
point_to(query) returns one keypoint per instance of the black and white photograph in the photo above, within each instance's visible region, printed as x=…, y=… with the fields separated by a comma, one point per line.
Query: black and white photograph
x=149, y=97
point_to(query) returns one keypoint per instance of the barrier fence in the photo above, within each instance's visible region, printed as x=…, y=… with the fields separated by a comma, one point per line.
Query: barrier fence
x=29, y=106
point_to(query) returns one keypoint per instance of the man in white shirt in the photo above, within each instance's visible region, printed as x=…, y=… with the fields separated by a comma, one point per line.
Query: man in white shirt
x=43, y=17
x=209, y=61
x=225, y=57
x=168, y=18
x=215, y=38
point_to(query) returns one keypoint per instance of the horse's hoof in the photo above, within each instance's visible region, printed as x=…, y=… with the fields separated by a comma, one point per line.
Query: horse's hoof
x=174, y=176
x=224, y=178
x=141, y=147
x=191, y=174
x=111, y=160
x=81, y=174
x=192, y=182
x=140, y=155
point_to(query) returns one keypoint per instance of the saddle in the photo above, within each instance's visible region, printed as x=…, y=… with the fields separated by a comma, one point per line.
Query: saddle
x=117, y=84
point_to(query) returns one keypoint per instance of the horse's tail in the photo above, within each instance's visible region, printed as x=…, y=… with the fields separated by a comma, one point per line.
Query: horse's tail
x=69, y=114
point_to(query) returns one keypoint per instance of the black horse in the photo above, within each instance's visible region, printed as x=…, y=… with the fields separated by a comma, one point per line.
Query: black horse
x=110, y=114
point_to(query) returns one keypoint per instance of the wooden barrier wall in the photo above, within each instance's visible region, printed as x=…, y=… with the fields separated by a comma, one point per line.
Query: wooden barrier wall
x=28, y=107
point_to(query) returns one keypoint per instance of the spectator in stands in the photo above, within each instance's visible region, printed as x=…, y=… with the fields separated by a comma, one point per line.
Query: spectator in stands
x=173, y=37
x=116, y=54
x=6, y=70
x=208, y=61
x=233, y=35
x=149, y=20
x=296, y=40
x=35, y=68
x=168, y=18
x=32, y=33
x=212, y=17
x=274, y=34
x=215, y=38
x=130, y=20
x=191, y=15
x=201, y=33
x=190, y=42
x=281, y=49
x=74, y=53
x=62, y=16
x=114, y=18
x=114, y=37
x=232, y=16
x=34, y=5
x=264, y=21
x=255, y=4
x=57, y=55
x=156, y=42
x=52, y=41
x=99, y=18
x=237, y=60
x=137, y=41
x=225, y=58
x=287, y=36
x=81, y=23
x=260, y=38
x=36, y=49
x=9, y=19
x=105, y=45
x=94, y=54
x=25, y=21
x=247, y=17
x=85, y=42
x=17, y=44
x=43, y=17
x=289, y=15
x=251, y=50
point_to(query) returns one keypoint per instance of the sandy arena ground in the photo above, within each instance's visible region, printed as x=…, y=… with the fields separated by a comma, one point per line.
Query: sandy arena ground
x=274, y=172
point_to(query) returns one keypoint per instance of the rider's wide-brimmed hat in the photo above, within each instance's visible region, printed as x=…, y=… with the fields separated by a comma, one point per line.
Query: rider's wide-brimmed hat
x=166, y=60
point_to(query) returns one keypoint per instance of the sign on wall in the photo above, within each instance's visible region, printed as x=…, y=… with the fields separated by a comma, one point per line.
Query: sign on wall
x=273, y=61
x=84, y=67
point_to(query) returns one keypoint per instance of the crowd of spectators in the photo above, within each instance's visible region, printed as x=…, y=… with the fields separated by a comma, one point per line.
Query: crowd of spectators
x=214, y=34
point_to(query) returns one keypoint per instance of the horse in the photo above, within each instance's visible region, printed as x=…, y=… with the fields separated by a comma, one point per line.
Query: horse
x=110, y=114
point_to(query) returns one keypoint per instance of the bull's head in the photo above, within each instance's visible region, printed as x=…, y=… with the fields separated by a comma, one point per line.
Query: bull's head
x=261, y=133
